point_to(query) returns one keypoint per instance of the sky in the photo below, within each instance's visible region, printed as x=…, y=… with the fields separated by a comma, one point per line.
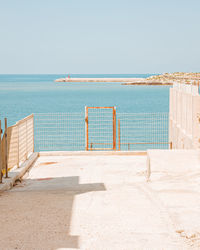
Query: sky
x=99, y=36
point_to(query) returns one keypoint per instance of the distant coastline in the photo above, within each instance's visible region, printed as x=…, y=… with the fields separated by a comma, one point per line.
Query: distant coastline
x=123, y=81
x=168, y=79
x=164, y=79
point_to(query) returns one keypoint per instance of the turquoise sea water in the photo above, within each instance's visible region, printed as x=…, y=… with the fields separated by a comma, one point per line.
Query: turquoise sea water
x=21, y=95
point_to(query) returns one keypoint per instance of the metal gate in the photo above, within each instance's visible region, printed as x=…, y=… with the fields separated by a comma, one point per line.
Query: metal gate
x=100, y=128
x=106, y=130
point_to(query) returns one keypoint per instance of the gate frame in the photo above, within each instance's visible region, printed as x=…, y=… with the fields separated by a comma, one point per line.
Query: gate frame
x=87, y=128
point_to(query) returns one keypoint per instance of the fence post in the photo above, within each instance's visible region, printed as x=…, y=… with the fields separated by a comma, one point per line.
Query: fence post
x=86, y=129
x=6, y=148
x=0, y=156
x=119, y=142
x=114, y=128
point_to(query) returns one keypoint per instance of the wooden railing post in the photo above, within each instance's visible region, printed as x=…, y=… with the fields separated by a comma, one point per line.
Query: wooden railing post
x=18, y=146
x=26, y=154
x=33, y=134
x=0, y=156
x=6, y=148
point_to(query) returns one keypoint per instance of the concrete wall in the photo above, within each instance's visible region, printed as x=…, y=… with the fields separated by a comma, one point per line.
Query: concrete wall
x=184, y=119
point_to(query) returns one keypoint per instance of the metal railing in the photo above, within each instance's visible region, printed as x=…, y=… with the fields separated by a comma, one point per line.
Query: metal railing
x=101, y=129
x=142, y=131
x=59, y=131
x=128, y=145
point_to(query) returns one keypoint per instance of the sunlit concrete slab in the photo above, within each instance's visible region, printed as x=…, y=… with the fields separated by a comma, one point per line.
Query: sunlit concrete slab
x=87, y=202
x=175, y=181
x=176, y=161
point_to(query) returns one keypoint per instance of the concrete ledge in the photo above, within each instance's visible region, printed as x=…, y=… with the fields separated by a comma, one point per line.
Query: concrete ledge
x=172, y=162
x=17, y=173
x=90, y=153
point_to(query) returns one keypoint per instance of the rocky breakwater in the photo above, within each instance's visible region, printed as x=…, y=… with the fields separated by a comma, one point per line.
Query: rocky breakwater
x=168, y=79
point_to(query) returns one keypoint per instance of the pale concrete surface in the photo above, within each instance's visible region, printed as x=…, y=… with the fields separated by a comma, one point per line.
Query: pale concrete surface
x=89, y=202
x=173, y=162
x=90, y=153
x=175, y=180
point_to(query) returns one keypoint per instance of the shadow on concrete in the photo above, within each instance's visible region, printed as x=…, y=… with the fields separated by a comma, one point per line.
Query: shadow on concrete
x=47, y=204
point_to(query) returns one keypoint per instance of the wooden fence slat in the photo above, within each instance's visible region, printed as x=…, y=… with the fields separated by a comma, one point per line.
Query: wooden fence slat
x=0, y=155
x=6, y=148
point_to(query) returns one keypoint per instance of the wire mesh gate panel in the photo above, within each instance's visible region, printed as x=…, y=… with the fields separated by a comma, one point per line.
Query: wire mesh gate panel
x=142, y=131
x=100, y=128
x=59, y=132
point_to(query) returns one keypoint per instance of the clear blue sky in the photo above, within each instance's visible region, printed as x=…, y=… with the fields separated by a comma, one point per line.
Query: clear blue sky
x=99, y=36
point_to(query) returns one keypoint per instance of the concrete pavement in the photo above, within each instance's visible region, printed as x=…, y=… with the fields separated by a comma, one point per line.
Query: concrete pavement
x=86, y=202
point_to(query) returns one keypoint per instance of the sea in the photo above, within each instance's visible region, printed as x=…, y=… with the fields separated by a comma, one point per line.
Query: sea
x=21, y=95
x=140, y=109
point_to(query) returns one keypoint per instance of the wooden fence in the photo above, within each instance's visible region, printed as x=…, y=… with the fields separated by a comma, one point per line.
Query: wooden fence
x=16, y=144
